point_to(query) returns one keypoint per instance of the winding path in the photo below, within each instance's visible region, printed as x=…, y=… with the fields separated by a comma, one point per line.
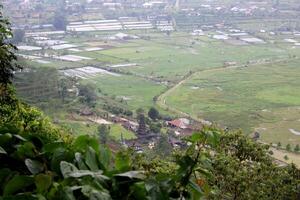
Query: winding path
x=161, y=99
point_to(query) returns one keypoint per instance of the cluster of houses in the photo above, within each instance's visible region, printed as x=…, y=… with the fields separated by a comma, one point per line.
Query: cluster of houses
x=178, y=128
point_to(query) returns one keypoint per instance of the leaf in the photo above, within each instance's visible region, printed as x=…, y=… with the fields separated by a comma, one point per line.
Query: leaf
x=84, y=141
x=16, y=184
x=5, y=139
x=138, y=190
x=195, y=187
x=21, y=197
x=91, y=159
x=213, y=138
x=80, y=162
x=52, y=146
x=67, y=168
x=4, y=173
x=133, y=175
x=2, y=151
x=43, y=182
x=60, y=154
x=94, y=194
x=105, y=157
x=20, y=138
x=196, y=137
x=122, y=161
x=33, y=166
x=26, y=150
x=197, y=192
x=82, y=173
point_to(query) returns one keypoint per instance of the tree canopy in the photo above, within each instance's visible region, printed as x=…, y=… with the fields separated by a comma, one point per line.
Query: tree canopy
x=7, y=53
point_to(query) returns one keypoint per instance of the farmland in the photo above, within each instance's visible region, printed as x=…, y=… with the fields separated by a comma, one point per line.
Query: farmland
x=246, y=98
x=233, y=78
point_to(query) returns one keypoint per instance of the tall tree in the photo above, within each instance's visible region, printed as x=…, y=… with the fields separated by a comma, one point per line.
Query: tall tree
x=88, y=94
x=142, y=124
x=103, y=131
x=153, y=113
x=8, y=62
x=60, y=21
x=18, y=36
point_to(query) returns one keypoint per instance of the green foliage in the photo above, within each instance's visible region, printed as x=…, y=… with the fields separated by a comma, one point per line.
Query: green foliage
x=103, y=131
x=87, y=94
x=213, y=166
x=60, y=21
x=8, y=58
x=18, y=36
x=142, y=129
x=155, y=127
x=288, y=147
x=163, y=147
x=153, y=113
x=279, y=145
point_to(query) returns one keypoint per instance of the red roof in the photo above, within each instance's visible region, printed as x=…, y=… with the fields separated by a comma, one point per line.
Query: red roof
x=178, y=123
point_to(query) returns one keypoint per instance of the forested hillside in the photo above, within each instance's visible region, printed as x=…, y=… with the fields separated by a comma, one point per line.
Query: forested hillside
x=40, y=160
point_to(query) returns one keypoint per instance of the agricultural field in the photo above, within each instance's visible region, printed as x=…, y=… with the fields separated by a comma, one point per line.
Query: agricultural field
x=83, y=128
x=232, y=77
x=264, y=98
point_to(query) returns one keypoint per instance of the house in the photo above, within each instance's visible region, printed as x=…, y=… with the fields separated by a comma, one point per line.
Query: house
x=181, y=123
x=86, y=111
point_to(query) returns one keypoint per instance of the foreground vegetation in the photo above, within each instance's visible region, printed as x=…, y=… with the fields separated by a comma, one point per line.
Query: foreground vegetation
x=41, y=161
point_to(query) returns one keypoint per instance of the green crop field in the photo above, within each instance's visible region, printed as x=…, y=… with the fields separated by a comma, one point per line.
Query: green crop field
x=263, y=96
x=258, y=97
x=116, y=130
x=138, y=92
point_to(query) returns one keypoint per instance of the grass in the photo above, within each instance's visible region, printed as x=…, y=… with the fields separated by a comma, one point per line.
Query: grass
x=231, y=97
x=81, y=127
x=173, y=57
x=139, y=91
x=237, y=97
x=117, y=130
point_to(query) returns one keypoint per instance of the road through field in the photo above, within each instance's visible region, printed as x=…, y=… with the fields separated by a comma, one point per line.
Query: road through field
x=161, y=102
x=161, y=99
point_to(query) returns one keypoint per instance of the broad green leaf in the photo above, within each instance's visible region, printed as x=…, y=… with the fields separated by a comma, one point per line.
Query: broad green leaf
x=98, y=177
x=34, y=166
x=52, y=146
x=17, y=183
x=43, y=182
x=40, y=197
x=91, y=159
x=4, y=173
x=2, y=151
x=67, y=168
x=132, y=175
x=20, y=138
x=79, y=160
x=21, y=197
x=122, y=161
x=5, y=139
x=138, y=190
x=196, y=137
x=105, y=157
x=195, y=187
x=60, y=154
x=68, y=192
x=197, y=192
x=26, y=150
x=84, y=141
x=94, y=194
